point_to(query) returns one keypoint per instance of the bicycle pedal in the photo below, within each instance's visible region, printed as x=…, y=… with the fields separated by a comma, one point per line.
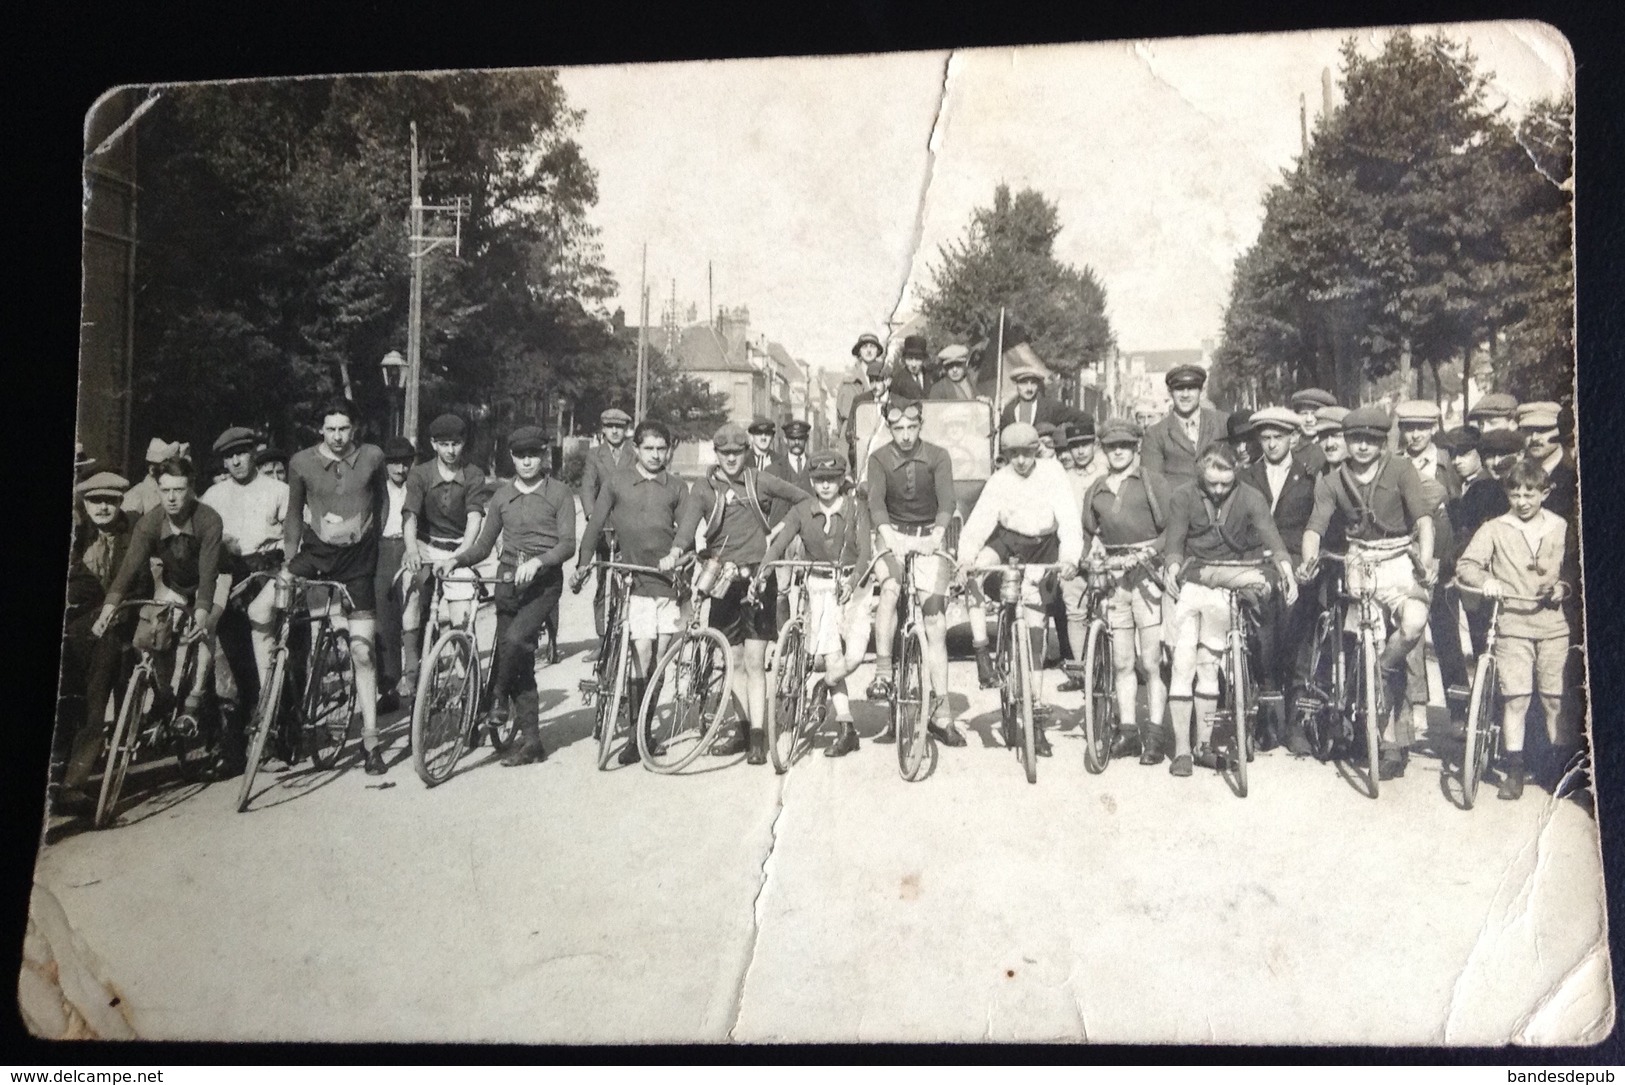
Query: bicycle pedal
x=588, y=687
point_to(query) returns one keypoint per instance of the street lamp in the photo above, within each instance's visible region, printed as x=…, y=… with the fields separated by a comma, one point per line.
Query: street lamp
x=394, y=367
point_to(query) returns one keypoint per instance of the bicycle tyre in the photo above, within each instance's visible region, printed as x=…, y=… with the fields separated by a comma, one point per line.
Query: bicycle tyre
x=1099, y=697
x=329, y=697
x=1004, y=667
x=265, y=721
x=1239, y=695
x=446, y=701
x=121, y=744
x=1476, y=752
x=1024, y=701
x=910, y=705
x=1318, y=725
x=787, y=697
x=685, y=701
x=1371, y=709
x=184, y=738
x=610, y=701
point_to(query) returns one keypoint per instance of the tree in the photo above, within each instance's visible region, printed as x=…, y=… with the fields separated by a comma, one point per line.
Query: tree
x=1006, y=259
x=272, y=259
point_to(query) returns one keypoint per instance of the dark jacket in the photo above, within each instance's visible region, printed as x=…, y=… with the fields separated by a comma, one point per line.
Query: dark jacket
x=1048, y=410
x=1293, y=506
x=86, y=590
x=601, y=462
x=1167, y=451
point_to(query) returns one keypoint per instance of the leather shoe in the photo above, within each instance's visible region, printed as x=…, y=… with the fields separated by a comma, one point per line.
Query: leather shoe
x=1181, y=765
x=1071, y=685
x=846, y=742
x=375, y=762
x=1391, y=765
x=1041, y=745
x=758, y=749
x=1206, y=758
x=525, y=752
x=947, y=735
x=1127, y=744
x=629, y=753
x=388, y=702
x=1511, y=784
x=737, y=744
x=879, y=687
x=552, y=650
x=72, y=802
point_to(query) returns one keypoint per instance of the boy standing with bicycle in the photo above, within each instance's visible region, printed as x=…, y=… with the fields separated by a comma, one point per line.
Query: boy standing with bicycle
x=1522, y=557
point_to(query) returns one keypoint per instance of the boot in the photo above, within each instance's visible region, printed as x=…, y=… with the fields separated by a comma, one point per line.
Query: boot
x=846, y=740
x=986, y=676
x=1512, y=780
x=527, y=750
x=1127, y=743
x=634, y=701
x=1297, y=743
x=1391, y=764
x=738, y=742
x=407, y=687
x=1041, y=745
x=1150, y=744
x=1271, y=727
x=758, y=748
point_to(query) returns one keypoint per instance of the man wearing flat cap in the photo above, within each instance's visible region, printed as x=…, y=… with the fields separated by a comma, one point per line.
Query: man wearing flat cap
x=1307, y=402
x=1285, y=634
x=955, y=383
x=910, y=380
x=1418, y=427
x=1030, y=405
x=1538, y=422
x=1170, y=447
x=1493, y=411
x=143, y=497
x=535, y=516
x=90, y=664
x=253, y=512
x=610, y=455
x=1483, y=497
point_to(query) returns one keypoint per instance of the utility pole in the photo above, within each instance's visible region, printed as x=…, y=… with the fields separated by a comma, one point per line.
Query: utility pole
x=643, y=335
x=1303, y=123
x=420, y=245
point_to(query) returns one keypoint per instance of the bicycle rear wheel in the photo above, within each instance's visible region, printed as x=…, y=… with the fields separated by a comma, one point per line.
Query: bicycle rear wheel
x=685, y=701
x=1316, y=711
x=1024, y=701
x=787, y=732
x=329, y=697
x=121, y=746
x=185, y=737
x=1240, y=697
x=1099, y=697
x=610, y=704
x=1475, y=755
x=265, y=721
x=910, y=704
x=1004, y=665
x=447, y=696
x=1371, y=708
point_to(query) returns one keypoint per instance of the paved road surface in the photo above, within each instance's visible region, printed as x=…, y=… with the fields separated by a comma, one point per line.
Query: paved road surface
x=557, y=903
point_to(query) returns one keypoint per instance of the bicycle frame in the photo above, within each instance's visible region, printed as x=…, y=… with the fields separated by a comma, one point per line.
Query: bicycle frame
x=608, y=691
x=1371, y=633
x=1015, y=638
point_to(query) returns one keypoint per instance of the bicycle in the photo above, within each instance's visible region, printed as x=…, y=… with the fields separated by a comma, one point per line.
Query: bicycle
x=322, y=720
x=450, y=698
x=688, y=693
x=607, y=686
x=146, y=722
x=1098, y=666
x=1235, y=718
x=910, y=706
x=1323, y=704
x=1367, y=696
x=1012, y=659
x=1482, y=742
x=795, y=711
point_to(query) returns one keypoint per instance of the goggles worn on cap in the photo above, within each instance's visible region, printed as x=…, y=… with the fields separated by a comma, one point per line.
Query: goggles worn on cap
x=894, y=414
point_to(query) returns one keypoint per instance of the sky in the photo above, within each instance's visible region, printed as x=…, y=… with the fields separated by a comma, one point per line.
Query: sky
x=820, y=189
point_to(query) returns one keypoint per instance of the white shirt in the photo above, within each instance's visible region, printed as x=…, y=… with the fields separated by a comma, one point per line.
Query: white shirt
x=1081, y=480
x=1040, y=504
x=397, y=503
x=1192, y=425
x=251, y=513
x=1427, y=464
x=1277, y=476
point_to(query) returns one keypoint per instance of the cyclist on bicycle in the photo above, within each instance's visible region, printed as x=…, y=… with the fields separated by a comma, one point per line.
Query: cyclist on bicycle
x=1025, y=514
x=641, y=505
x=535, y=514
x=833, y=526
x=1377, y=501
x=185, y=538
x=911, y=500
x=253, y=511
x=1127, y=510
x=733, y=501
x=440, y=516
x=336, y=508
x=1214, y=525
x=1525, y=553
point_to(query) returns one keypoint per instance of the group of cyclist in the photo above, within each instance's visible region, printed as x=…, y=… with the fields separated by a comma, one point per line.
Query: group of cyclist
x=1160, y=523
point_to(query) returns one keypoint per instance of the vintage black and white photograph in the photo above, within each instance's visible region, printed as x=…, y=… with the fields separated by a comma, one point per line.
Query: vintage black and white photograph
x=1059, y=543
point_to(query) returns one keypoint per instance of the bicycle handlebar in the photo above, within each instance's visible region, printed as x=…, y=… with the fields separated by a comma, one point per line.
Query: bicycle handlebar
x=1459, y=586
x=300, y=583
x=628, y=567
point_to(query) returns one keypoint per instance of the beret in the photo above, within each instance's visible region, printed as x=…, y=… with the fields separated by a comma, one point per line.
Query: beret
x=828, y=464
x=1278, y=417
x=1501, y=442
x=1119, y=431
x=447, y=427
x=1493, y=405
x=1186, y=376
x=527, y=439
x=1372, y=419
x=235, y=438
x=730, y=437
x=1417, y=410
x=103, y=484
x=399, y=448
x=1018, y=435
x=1308, y=399
x=614, y=416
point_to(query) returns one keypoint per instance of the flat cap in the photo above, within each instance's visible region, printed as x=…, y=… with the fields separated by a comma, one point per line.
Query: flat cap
x=954, y=354
x=1277, y=418
x=1330, y=419
x=399, y=448
x=1494, y=405
x=1119, y=431
x=159, y=450
x=730, y=437
x=1018, y=435
x=103, y=484
x=1501, y=442
x=828, y=464
x=447, y=427
x=270, y=455
x=1417, y=410
x=1312, y=399
x=1372, y=420
x=1238, y=425
x=1025, y=371
x=1459, y=439
x=796, y=428
x=866, y=339
x=1542, y=414
x=235, y=439
x=614, y=416
x=1186, y=376
x=914, y=347
x=528, y=439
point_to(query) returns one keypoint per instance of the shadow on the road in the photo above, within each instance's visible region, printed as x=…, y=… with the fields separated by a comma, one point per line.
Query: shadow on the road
x=1356, y=778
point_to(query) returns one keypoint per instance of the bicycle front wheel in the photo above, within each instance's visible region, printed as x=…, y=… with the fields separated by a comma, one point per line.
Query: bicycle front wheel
x=685, y=701
x=1240, y=698
x=787, y=731
x=1023, y=682
x=1371, y=708
x=1099, y=697
x=121, y=746
x=1475, y=756
x=265, y=721
x=329, y=697
x=184, y=736
x=611, y=693
x=442, y=712
x=910, y=704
